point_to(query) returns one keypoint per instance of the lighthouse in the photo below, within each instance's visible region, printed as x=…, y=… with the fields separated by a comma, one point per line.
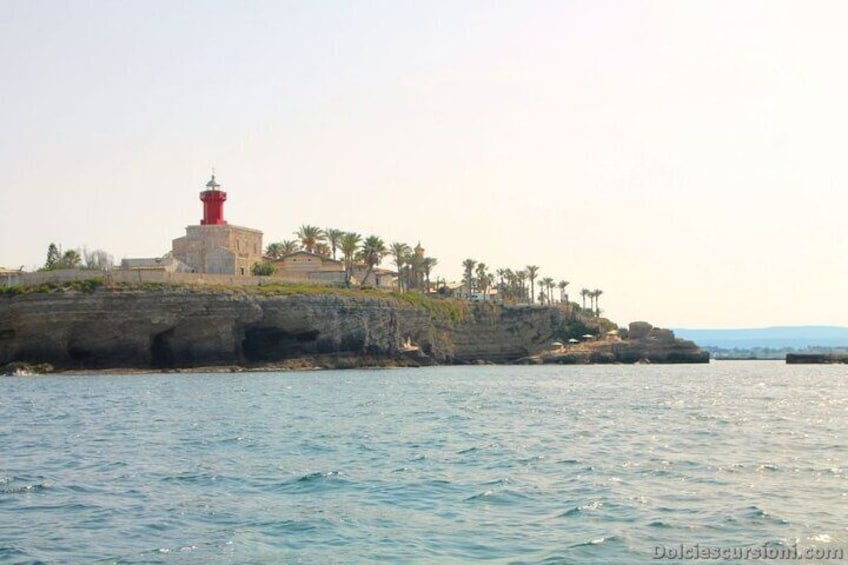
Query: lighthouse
x=213, y=204
x=215, y=247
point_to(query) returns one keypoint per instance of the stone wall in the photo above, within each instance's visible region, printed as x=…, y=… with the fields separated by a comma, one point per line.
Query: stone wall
x=219, y=249
x=152, y=275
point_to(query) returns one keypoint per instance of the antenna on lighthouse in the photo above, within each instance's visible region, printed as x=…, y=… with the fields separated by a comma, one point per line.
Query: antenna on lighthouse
x=212, y=185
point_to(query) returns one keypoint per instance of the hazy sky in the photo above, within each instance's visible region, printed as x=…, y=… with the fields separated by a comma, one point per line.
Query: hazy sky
x=687, y=158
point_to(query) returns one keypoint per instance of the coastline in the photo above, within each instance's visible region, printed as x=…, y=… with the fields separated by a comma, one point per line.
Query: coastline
x=184, y=329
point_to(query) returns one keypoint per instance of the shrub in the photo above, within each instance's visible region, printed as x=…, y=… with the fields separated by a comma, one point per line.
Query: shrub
x=263, y=269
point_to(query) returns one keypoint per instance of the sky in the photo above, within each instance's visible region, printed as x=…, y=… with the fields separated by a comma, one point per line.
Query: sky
x=686, y=158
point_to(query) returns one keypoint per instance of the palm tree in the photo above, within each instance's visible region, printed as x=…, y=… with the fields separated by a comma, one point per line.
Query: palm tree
x=597, y=293
x=428, y=264
x=563, y=297
x=349, y=246
x=288, y=246
x=334, y=239
x=520, y=277
x=482, y=278
x=323, y=250
x=468, y=265
x=548, y=282
x=415, y=262
x=532, y=272
x=373, y=251
x=584, y=293
x=309, y=237
x=274, y=251
x=508, y=284
x=399, y=252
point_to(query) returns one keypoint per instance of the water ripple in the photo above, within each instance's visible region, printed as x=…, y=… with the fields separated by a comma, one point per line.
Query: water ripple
x=453, y=464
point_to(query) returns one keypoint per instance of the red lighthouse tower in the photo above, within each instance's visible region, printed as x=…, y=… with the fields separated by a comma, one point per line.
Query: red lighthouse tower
x=213, y=204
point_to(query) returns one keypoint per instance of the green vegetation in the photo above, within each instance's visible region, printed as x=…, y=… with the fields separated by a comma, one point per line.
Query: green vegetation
x=532, y=273
x=70, y=259
x=401, y=253
x=304, y=288
x=334, y=240
x=14, y=290
x=263, y=269
x=413, y=267
x=372, y=252
x=574, y=328
x=310, y=237
x=511, y=287
x=281, y=249
x=349, y=245
x=468, y=265
x=79, y=285
x=97, y=260
x=413, y=272
x=450, y=309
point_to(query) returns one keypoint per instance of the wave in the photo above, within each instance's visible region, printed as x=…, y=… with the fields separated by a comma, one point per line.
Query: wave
x=502, y=497
x=12, y=485
x=595, y=505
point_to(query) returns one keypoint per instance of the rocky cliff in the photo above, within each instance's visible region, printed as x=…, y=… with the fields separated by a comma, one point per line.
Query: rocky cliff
x=184, y=327
x=643, y=344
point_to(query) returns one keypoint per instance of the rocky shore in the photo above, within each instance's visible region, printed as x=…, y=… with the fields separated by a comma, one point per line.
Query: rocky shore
x=816, y=358
x=644, y=344
x=176, y=328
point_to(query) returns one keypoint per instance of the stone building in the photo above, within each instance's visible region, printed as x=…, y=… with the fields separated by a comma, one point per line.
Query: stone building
x=310, y=266
x=303, y=265
x=214, y=246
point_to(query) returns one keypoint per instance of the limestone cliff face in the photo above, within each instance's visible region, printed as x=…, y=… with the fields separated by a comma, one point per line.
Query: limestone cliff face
x=501, y=335
x=178, y=327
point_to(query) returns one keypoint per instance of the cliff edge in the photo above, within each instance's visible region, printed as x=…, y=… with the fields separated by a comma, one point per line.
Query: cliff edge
x=176, y=327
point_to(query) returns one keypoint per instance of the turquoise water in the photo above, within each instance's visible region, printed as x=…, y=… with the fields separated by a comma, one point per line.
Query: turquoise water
x=598, y=464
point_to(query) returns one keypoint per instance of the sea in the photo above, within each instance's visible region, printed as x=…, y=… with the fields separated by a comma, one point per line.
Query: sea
x=733, y=461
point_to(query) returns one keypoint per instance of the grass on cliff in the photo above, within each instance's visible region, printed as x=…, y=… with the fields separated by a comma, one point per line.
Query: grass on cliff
x=446, y=309
x=81, y=285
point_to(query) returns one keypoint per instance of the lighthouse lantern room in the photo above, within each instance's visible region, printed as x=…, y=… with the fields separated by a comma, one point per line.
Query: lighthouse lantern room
x=213, y=204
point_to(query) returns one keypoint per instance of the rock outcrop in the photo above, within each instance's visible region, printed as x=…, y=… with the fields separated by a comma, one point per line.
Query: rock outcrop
x=644, y=344
x=816, y=358
x=184, y=327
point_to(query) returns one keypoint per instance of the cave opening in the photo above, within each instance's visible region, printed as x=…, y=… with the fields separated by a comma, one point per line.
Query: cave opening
x=81, y=355
x=276, y=344
x=161, y=352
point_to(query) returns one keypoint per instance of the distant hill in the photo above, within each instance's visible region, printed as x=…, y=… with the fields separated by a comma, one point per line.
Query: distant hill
x=797, y=337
